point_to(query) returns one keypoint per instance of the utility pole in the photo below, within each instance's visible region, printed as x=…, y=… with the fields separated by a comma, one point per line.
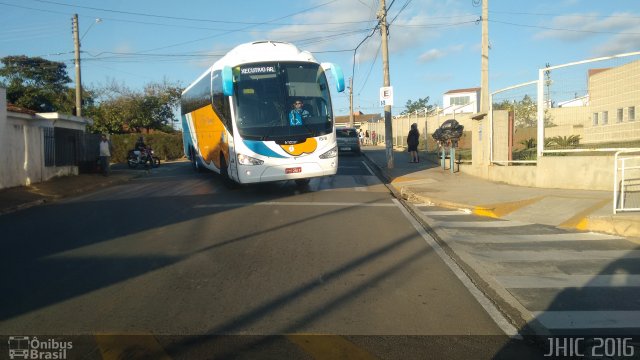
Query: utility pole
x=388, y=128
x=351, y=102
x=76, y=41
x=484, y=78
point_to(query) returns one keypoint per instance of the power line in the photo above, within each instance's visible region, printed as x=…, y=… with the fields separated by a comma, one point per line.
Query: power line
x=560, y=29
x=244, y=28
x=186, y=18
x=437, y=25
x=375, y=60
x=399, y=12
x=556, y=15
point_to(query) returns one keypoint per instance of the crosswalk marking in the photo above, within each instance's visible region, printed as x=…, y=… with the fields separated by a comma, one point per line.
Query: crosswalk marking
x=300, y=203
x=530, y=264
x=477, y=224
x=523, y=238
x=588, y=319
x=557, y=255
x=562, y=281
x=445, y=212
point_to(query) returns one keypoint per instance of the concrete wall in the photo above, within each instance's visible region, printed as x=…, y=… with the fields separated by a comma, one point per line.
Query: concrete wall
x=584, y=171
x=558, y=172
x=22, y=145
x=500, y=136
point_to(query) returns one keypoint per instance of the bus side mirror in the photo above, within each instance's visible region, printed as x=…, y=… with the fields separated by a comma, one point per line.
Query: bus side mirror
x=227, y=81
x=336, y=71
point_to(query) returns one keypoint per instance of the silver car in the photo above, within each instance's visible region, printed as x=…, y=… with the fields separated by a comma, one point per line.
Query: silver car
x=348, y=140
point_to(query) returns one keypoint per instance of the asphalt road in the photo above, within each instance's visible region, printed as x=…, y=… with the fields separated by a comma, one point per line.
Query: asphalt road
x=263, y=269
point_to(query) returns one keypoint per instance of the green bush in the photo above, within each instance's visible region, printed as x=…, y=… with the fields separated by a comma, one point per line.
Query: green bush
x=165, y=146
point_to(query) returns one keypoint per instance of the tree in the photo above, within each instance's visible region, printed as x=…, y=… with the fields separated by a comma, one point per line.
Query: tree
x=121, y=109
x=36, y=83
x=526, y=112
x=418, y=105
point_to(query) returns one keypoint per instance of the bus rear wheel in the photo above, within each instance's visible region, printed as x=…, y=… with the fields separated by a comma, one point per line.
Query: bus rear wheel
x=194, y=161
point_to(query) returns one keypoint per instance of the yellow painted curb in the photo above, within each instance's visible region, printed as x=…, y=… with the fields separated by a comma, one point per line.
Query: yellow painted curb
x=501, y=209
x=329, y=347
x=400, y=179
x=579, y=221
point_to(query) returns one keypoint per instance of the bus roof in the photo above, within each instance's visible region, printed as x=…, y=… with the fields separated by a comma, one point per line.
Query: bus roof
x=258, y=51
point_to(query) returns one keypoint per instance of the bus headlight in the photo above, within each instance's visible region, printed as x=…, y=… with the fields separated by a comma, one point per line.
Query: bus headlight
x=330, y=154
x=248, y=160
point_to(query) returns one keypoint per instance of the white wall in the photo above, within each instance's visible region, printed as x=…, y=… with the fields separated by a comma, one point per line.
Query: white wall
x=472, y=107
x=556, y=172
x=22, y=145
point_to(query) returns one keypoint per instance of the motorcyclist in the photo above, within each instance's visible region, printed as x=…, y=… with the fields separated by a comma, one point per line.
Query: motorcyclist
x=139, y=147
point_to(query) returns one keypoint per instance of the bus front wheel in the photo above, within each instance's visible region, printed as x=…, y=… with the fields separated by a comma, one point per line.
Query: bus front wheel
x=224, y=172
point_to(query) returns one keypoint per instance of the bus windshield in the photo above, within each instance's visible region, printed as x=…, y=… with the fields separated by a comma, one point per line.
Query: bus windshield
x=282, y=101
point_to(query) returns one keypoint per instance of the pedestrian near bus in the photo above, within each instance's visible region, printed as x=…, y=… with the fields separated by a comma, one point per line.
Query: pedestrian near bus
x=106, y=149
x=413, y=139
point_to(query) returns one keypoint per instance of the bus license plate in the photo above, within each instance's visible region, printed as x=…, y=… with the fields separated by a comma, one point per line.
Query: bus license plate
x=294, y=170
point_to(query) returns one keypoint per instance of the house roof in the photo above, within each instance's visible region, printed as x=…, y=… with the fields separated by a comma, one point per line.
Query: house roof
x=18, y=109
x=468, y=90
x=343, y=119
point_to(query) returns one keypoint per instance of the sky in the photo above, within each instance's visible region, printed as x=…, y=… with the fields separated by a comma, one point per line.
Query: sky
x=434, y=45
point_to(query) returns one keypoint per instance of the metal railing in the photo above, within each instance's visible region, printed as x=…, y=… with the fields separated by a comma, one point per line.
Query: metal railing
x=623, y=164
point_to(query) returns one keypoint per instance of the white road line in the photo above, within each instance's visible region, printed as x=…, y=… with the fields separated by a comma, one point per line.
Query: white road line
x=564, y=281
x=557, y=255
x=290, y=203
x=521, y=238
x=445, y=212
x=368, y=168
x=477, y=224
x=488, y=306
x=588, y=319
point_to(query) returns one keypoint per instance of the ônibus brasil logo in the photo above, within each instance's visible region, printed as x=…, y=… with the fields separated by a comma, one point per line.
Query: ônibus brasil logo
x=25, y=347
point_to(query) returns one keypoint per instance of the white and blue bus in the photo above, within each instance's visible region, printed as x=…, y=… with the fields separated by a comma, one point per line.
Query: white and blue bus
x=262, y=113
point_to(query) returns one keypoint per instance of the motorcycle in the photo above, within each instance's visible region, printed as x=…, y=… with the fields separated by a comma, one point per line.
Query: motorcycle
x=147, y=158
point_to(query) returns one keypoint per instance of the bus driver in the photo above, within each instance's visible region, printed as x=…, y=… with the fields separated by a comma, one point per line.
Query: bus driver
x=297, y=114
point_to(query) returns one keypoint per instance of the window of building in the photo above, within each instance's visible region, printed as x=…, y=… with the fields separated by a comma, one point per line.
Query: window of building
x=595, y=119
x=632, y=113
x=460, y=100
x=605, y=117
x=619, y=115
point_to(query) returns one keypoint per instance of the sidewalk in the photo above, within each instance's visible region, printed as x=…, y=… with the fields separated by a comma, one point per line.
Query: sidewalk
x=426, y=182
x=22, y=197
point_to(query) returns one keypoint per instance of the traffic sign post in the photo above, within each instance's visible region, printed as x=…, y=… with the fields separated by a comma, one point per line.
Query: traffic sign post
x=386, y=96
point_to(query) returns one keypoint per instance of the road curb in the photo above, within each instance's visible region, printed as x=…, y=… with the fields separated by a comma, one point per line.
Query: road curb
x=54, y=196
x=609, y=224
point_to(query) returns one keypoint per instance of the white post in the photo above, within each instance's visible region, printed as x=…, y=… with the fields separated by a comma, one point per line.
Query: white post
x=540, y=145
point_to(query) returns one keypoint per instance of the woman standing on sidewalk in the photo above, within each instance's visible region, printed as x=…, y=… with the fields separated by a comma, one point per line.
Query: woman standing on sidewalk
x=412, y=143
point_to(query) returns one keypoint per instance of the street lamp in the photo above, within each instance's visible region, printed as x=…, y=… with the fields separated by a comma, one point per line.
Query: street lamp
x=97, y=21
